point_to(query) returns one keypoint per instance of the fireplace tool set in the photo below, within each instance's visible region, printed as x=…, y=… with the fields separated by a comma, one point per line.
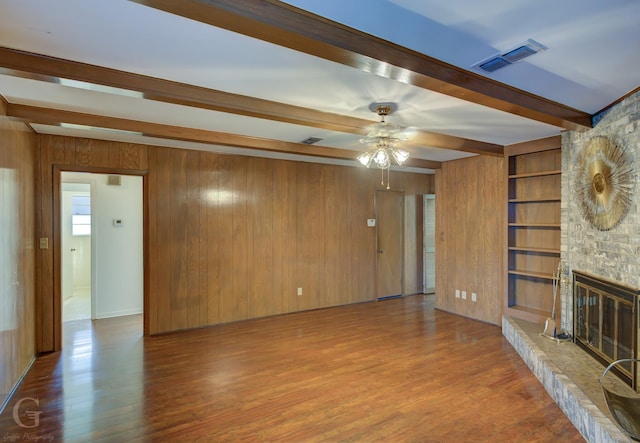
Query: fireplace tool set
x=550, y=325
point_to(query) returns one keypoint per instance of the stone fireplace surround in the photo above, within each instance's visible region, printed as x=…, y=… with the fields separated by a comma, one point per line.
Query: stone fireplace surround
x=568, y=373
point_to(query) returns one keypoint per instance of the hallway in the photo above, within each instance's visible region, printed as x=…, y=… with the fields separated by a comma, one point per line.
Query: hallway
x=78, y=306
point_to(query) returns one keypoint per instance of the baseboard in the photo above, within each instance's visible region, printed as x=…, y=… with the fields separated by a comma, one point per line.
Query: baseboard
x=118, y=313
x=17, y=385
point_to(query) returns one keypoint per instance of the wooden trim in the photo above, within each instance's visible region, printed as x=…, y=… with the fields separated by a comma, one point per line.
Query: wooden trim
x=542, y=144
x=57, y=242
x=597, y=115
x=288, y=26
x=536, y=174
x=57, y=261
x=48, y=116
x=50, y=69
x=146, y=277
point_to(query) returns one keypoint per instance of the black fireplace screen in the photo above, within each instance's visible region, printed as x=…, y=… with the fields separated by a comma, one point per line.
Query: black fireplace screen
x=605, y=321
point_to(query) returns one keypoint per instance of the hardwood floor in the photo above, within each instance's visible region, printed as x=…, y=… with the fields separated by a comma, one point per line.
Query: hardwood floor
x=390, y=371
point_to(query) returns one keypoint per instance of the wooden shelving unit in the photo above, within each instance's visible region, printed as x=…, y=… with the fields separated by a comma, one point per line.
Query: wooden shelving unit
x=533, y=220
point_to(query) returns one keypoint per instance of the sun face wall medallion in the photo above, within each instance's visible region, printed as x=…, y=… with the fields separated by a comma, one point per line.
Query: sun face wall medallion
x=604, y=183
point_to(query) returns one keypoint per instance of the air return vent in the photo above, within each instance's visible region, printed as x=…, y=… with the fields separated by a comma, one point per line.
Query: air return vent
x=310, y=140
x=114, y=180
x=509, y=57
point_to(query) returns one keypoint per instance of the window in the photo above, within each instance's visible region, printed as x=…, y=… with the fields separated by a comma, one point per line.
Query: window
x=81, y=215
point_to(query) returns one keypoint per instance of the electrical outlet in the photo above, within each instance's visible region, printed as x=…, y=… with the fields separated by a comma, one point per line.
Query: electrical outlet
x=299, y=291
x=464, y=295
x=457, y=293
x=474, y=296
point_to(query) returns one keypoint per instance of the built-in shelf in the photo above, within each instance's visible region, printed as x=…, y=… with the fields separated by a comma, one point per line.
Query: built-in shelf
x=533, y=245
x=536, y=174
x=534, y=200
x=529, y=314
x=531, y=274
x=538, y=250
x=534, y=225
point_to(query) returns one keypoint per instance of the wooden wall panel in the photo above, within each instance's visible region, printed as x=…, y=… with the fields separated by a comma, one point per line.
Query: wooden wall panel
x=470, y=232
x=492, y=269
x=211, y=199
x=229, y=237
x=17, y=252
x=238, y=268
x=151, y=262
x=195, y=235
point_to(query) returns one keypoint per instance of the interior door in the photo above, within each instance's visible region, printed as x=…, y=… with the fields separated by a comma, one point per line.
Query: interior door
x=389, y=243
x=67, y=245
x=429, y=242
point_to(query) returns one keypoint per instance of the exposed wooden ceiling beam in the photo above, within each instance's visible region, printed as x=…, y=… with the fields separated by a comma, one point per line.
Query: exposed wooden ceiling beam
x=288, y=26
x=48, y=116
x=51, y=69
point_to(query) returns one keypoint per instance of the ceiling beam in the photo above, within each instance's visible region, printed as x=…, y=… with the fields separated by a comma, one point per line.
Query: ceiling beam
x=44, y=68
x=294, y=28
x=48, y=116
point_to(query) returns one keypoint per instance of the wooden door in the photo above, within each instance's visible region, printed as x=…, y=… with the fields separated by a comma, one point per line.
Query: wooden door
x=429, y=243
x=389, y=243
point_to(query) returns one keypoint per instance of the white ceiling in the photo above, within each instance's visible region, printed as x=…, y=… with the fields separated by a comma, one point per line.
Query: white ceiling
x=591, y=61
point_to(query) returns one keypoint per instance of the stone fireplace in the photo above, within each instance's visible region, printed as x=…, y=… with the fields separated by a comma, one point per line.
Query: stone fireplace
x=605, y=322
x=612, y=257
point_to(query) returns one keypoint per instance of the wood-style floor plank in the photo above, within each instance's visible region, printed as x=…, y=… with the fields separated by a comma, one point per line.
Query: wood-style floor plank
x=390, y=371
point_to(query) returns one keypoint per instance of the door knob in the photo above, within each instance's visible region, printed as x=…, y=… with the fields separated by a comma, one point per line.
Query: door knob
x=73, y=249
x=380, y=251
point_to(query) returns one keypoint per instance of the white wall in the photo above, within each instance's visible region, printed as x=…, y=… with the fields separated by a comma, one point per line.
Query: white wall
x=118, y=256
x=76, y=265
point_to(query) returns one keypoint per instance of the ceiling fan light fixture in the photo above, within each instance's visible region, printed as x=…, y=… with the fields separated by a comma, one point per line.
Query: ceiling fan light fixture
x=400, y=156
x=382, y=139
x=365, y=158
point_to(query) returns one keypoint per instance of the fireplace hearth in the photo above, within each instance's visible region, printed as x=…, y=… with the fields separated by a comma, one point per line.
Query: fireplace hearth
x=605, y=322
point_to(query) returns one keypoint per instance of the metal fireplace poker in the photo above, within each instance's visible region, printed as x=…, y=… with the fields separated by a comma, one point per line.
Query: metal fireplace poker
x=550, y=326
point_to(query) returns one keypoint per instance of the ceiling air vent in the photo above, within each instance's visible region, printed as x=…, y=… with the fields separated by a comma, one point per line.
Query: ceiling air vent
x=310, y=140
x=509, y=57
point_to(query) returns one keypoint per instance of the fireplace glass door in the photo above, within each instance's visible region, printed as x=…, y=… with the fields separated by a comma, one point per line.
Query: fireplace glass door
x=605, y=323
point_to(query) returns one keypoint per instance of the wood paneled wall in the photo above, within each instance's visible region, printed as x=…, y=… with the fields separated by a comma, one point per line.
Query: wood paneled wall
x=17, y=270
x=53, y=154
x=470, y=236
x=231, y=237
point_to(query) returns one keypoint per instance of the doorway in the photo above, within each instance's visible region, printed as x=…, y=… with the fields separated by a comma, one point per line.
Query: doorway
x=389, y=244
x=101, y=219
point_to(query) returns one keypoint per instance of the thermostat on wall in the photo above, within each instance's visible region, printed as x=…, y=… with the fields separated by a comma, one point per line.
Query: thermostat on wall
x=117, y=222
x=371, y=222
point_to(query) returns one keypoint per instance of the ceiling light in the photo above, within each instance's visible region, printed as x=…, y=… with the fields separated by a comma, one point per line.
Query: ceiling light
x=382, y=139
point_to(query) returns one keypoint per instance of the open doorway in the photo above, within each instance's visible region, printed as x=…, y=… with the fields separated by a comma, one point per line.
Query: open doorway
x=101, y=219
